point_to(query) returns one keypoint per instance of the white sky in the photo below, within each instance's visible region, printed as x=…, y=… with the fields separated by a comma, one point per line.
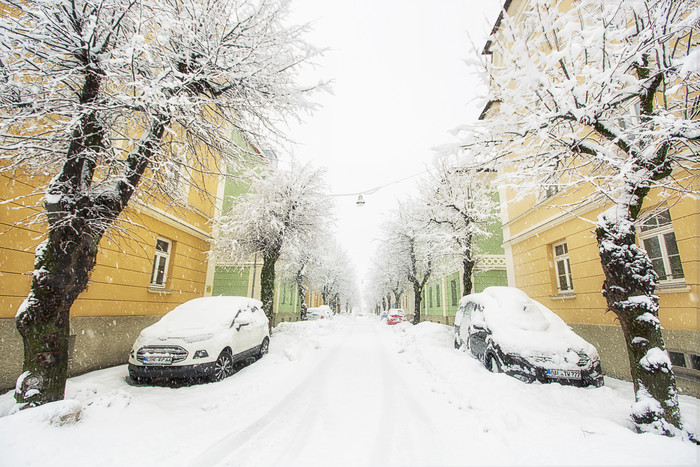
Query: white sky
x=400, y=85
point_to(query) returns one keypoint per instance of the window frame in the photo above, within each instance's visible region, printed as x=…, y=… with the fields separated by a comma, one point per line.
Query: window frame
x=565, y=260
x=453, y=292
x=154, y=269
x=660, y=232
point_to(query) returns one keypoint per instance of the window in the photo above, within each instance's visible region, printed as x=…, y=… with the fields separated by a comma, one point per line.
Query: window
x=160, y=262
x=680, y=359
x=659, y=241
x=453, y=291
x=677, y=359
x=430, y=297
x=563, y=268
x=470, y=308
x=438, y=295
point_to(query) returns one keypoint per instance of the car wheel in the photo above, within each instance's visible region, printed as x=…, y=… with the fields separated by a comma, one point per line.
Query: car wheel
x=223, y=368
x=492, y=363
x=140, y=380
x=264, y=347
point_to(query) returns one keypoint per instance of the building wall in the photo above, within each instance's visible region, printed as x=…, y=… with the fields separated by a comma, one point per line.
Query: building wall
x=118, y=302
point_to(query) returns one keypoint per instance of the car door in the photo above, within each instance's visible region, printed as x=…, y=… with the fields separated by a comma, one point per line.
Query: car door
x=244, y=330
x=464, y=322
x=259, y=326
x=478, y=331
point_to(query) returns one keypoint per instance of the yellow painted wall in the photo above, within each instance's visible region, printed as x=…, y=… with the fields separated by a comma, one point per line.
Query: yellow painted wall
x=534, y=266
x=119, y=284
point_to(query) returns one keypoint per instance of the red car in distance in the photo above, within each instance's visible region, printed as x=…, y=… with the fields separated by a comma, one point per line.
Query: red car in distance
x=396, y=316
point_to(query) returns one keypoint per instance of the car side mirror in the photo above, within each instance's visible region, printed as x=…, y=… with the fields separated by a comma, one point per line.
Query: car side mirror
x=240, y=325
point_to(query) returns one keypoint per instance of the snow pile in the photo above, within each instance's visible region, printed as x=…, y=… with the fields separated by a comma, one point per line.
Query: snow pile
x=295, y=340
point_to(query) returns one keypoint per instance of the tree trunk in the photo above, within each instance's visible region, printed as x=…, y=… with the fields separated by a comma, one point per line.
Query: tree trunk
x=302, y=299
x=62, y=268
x=417, y=290
x=397, y=297
x=467, y=268
x=629, y=290
x=267, y=284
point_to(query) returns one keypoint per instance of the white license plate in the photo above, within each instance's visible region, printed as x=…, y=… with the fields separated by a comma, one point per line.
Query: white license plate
x=158, y=360
x=564, y=374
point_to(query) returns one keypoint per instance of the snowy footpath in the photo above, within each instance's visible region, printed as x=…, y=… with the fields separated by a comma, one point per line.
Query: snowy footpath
x=342, y=392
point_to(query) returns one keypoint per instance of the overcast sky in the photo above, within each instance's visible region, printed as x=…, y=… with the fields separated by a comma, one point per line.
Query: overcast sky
x=400, y=84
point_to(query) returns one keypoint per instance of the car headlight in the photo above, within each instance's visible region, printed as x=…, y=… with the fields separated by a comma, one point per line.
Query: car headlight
x=197, y=338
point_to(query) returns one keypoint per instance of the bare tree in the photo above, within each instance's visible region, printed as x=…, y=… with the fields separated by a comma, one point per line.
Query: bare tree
x=109, y=94
x=334, y=276
x=605, y=93
x=461, y=203
x=285, y=209
x=410, y=245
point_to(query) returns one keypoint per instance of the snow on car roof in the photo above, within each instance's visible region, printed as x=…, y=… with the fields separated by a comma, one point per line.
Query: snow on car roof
x=208, y=310
x=397, y=312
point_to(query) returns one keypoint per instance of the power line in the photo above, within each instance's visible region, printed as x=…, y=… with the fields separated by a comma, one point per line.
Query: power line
x=371, y=191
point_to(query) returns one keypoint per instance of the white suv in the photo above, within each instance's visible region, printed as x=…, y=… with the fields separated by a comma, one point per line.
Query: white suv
x=203, y=337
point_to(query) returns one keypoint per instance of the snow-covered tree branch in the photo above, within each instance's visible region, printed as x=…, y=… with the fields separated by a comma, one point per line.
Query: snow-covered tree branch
x=461, y=203
x=285, y=210
x=410, y=245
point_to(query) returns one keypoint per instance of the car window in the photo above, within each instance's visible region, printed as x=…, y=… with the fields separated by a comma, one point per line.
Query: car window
x=469, y=309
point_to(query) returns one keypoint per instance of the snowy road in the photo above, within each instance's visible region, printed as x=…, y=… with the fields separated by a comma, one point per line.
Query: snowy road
x=346, y=392
x=353, y=408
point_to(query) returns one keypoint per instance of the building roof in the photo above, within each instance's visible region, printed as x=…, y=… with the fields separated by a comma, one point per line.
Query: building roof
x=496, y=26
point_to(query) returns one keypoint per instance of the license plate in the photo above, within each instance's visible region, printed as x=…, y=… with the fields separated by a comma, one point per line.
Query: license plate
x=158, y=360
x=565, y=374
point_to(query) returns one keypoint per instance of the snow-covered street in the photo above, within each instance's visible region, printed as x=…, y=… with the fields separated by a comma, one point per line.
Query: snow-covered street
x=348, y=391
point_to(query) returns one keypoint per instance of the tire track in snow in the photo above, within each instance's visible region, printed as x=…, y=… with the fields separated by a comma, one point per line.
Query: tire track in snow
x=223, y=448
x=405, y=423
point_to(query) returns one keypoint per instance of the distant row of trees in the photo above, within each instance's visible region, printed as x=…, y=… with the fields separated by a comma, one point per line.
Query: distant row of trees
x=286, y=217
x=438, y=231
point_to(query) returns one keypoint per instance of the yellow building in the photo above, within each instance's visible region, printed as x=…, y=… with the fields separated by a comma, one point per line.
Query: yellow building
x=552, y=254
x=144, y=269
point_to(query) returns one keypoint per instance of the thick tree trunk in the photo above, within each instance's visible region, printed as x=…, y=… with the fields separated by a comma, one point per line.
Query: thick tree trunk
x=302, y=299
x=417, y=290
x=629, y=290
x=467, y=269
x=267, y=284
x=61, y=271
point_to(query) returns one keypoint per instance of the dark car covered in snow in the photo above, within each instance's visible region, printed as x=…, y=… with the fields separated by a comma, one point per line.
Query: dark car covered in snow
x=509, y=332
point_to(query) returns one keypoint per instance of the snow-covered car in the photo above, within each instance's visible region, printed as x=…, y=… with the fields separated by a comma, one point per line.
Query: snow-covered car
x=396, y=316
x=509, y=332
x=203, y=337
x=320, y=312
